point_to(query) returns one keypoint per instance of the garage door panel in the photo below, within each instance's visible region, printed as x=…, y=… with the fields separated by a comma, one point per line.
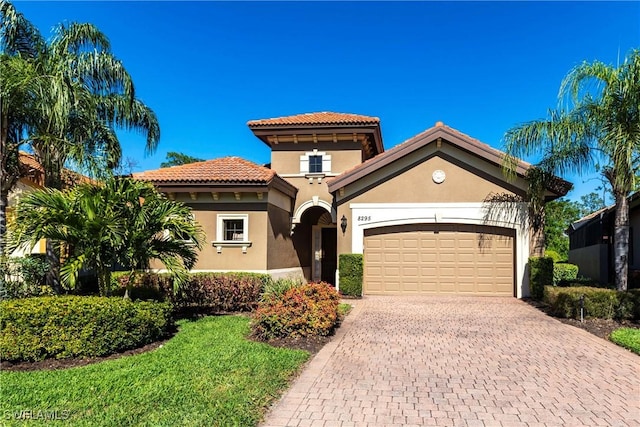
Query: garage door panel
x=441, y=258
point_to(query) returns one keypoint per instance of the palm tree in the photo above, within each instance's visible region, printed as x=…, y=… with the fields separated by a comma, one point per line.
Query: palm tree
x=599, y=126
x=64, y=99
x=123, y=222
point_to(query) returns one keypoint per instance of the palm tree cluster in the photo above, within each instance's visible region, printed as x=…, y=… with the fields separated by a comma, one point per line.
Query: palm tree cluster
x=63, y=99
x=596, y=124
x=123, y=223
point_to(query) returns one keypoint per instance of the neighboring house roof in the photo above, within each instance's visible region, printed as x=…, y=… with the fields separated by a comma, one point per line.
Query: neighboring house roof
x=223, y=171
x=634, y=197
x=321, y=118
x=431, y=135
x=31, y=169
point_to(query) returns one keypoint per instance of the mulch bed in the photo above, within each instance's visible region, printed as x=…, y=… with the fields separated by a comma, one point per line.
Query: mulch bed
x=601, y=328
x=52, y=364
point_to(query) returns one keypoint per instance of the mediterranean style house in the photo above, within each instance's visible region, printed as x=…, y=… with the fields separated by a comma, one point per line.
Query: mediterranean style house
x=418, y=212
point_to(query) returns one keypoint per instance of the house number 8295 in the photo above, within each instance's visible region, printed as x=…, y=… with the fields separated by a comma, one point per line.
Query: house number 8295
x=364, y=218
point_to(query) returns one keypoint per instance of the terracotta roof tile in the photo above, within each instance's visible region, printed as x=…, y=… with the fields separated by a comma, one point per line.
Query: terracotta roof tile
x=223, y=170
x=31, y=168
x=321, y=118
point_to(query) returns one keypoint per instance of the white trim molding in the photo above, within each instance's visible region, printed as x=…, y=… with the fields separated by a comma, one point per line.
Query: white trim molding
x=326, y=161
x=373, y=215
x=221, y=242
x=315, y=201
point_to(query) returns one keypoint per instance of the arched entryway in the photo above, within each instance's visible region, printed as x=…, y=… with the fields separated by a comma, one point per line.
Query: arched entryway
x=315, y=240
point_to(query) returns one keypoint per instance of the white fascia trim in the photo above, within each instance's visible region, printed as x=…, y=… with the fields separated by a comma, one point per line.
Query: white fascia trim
x=373, y=215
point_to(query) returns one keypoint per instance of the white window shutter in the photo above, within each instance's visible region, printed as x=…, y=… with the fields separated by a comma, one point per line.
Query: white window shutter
x=326, y=163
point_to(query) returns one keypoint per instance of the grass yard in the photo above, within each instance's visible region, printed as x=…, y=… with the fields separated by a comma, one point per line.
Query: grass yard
x=207, y=375
x=627, y=338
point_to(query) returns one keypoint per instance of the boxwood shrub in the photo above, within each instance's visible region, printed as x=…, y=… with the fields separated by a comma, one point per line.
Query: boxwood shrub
x=302, y=311
x=540, y=275
x=77, y=326
x=350, y=268
x=219, y=292
x=598, y=302
x=564, y=271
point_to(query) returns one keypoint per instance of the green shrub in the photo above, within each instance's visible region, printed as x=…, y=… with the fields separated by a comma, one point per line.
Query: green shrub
x=581, y=281
x=221, y=292
x=76, y=326
x=276, y=288
x=540, y=275
x=303, y=311
x=554, y=255
x=24, y=277
x=350, y=268
x=598, y=302
x=628, y=338
x=564, y=271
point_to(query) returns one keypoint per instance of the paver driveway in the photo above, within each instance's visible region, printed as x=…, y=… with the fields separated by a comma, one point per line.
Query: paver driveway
x=461, y=361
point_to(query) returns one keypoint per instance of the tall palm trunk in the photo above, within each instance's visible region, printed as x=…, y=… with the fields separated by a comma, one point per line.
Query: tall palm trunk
x=4, y=204
x=621, y=240
x=52, y=179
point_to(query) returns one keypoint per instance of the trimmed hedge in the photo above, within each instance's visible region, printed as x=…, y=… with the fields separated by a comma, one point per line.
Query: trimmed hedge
x=564, y=271
x=74, y=326
x=540, y=275
x=582, y=281
x=302, y=311
x=598, y=302
x=221, y=292
x=350, y=268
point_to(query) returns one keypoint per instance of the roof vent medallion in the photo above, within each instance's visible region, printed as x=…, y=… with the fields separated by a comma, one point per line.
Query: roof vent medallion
x=439, y=124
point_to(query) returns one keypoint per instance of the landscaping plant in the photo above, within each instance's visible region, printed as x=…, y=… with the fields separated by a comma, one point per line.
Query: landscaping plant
x=303, y=311
x=628, y=338
x=74, y=326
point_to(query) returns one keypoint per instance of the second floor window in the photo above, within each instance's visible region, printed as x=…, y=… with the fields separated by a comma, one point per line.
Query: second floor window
x=315, y=164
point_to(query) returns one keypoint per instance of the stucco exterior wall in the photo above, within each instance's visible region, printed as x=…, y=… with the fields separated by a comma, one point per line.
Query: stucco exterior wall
x=416, y=185
x=285, y=160
x=232, y=258
x=280, y=251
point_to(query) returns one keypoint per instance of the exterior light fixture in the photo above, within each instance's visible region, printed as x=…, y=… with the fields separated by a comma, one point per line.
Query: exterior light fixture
x=343, y=224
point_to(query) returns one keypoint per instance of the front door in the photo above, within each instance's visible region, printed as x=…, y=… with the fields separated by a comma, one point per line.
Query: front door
x=329, y=254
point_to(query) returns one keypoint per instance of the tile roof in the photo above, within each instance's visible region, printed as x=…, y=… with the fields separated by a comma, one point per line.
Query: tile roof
x=321, y=118
x=222, y=170
x=31, y=168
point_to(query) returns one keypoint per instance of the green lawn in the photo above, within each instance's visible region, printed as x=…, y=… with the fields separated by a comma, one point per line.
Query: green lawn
x=207, y=375
x=628, y=338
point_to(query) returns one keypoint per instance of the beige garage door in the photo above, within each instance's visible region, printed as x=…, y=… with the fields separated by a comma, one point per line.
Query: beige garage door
x=439, y=259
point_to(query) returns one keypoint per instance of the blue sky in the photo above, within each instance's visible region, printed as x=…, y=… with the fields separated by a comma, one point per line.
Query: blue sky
x=206, y=68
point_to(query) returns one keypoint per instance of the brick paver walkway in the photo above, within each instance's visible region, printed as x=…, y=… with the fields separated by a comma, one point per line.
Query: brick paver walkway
x=401, y=361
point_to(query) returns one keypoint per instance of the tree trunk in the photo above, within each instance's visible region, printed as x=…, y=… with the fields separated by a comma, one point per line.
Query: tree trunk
x=4, y=204
x=621, y=241
x=52, y=179
x=104, y=281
